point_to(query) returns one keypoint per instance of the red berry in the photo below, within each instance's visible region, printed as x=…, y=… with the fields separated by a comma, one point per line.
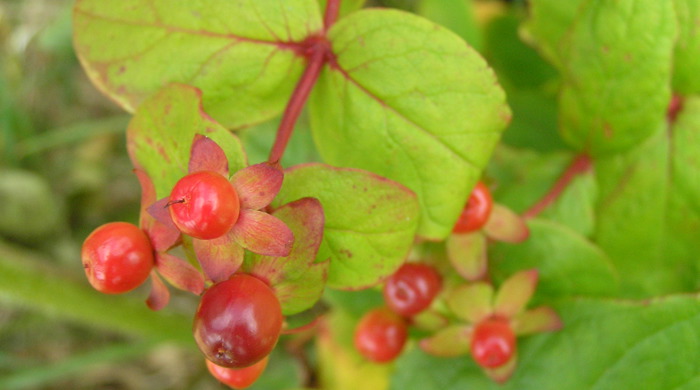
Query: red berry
x=238, y=378
x=381, y=335
x=117, y=257
x=493, y=343
x=238, y=321
x=411, y=289
x=204, y=205
x=477, y=210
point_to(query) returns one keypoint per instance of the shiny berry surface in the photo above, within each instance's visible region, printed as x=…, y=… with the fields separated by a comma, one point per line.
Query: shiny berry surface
x=117, y=257
x=411, y=289
x=493, y=343
x=238, y=321
x=204, y=205
x=477, y=210
x=380, y=335
x=237, y=378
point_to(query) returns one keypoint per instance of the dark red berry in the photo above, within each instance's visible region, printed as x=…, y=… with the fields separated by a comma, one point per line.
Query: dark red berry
x=493, y=343
x=237, y=378
x=238, y=321
x=204, y=205
x=477, y=210
x=117, y=257
x=380, y=335
x=411, y=289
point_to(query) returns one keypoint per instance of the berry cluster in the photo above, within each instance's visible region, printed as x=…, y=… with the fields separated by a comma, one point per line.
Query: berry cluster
x=239, y=318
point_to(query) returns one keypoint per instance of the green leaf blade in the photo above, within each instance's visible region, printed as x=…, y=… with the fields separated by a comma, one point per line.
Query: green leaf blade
x=409, y=100
x=240, y=53
x=370, y=221
x=687, y=54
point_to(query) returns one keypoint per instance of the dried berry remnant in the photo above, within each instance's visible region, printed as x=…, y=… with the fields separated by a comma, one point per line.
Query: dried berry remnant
x=381, y=335
x=477, y=210
x=238, y=321
x=117, y=257
x=204, y=205
x=411, y=289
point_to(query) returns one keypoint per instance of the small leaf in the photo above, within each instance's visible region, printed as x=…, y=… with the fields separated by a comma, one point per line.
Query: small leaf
x=506, y=226
x=501, y=374
x=515, y=293
x=429, y=320
x=370, y=221
x=262, y=233
x=161, y=231
x=449, y=342
x=425, y=112
x=537, y=320
x=159, y=296
x=159, y=136
x=471, y=302
x=220, y=258
x=179, y=273
x=467, y=254
x=257, y=185
x=297, y=279
x=206, y=155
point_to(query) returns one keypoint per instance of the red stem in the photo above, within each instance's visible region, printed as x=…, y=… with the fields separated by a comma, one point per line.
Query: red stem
x=581, y=164
x=332, y=10
x=298, y=99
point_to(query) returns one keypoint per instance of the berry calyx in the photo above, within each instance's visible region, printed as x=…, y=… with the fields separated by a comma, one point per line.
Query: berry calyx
x=380, y=335
x=238, y=321
x=204, y=205
x=117, y=257
x=493, y=343
x=237, y=378
x=411, y=289
x=477, y=210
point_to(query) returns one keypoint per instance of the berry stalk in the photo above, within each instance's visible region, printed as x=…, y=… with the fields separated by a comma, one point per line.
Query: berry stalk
x=332, y=9
x=581, y=164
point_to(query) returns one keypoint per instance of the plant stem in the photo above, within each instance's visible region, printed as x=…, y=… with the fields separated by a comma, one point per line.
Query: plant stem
x=581, y=164
x=318, y=54
x=332, y=9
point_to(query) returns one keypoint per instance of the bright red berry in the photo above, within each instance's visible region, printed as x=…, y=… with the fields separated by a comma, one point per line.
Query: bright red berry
x=477, y=210
x=411, y=289
x=380, y=335
x=238, y=378
x=117, y=257
x=204, y=205
x=493, y=343
x=238, y=321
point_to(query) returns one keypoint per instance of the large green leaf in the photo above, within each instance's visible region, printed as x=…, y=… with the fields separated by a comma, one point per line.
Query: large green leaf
x=241, y=53
x=457, y=15
x=616, y=74
x=605, y=345
x=686, y=63
x=549, y=23
x=648, y=216
x=370, y=222
x=160, y=135
x=568, y=264
x=409, y=100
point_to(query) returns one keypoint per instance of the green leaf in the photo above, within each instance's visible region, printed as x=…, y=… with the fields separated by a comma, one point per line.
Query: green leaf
x=160, y=135
x=297, y=280
x=457, y=15
x=346, y=6
x=604, y=345
x=575, y=207
x=648, y=215
x=241, y=53
x=549, y=25
x=409, y=100
x=568, y=264
x=617, y=71
x=370, y=221
x=686, y=61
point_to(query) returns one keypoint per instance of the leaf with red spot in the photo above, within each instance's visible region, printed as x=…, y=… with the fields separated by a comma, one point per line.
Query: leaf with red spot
x=298, y=280
x=257, y=185
x=159, y=136
x=220, y=257
x=179, y=273
x=207, y=155
x=262, y=233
